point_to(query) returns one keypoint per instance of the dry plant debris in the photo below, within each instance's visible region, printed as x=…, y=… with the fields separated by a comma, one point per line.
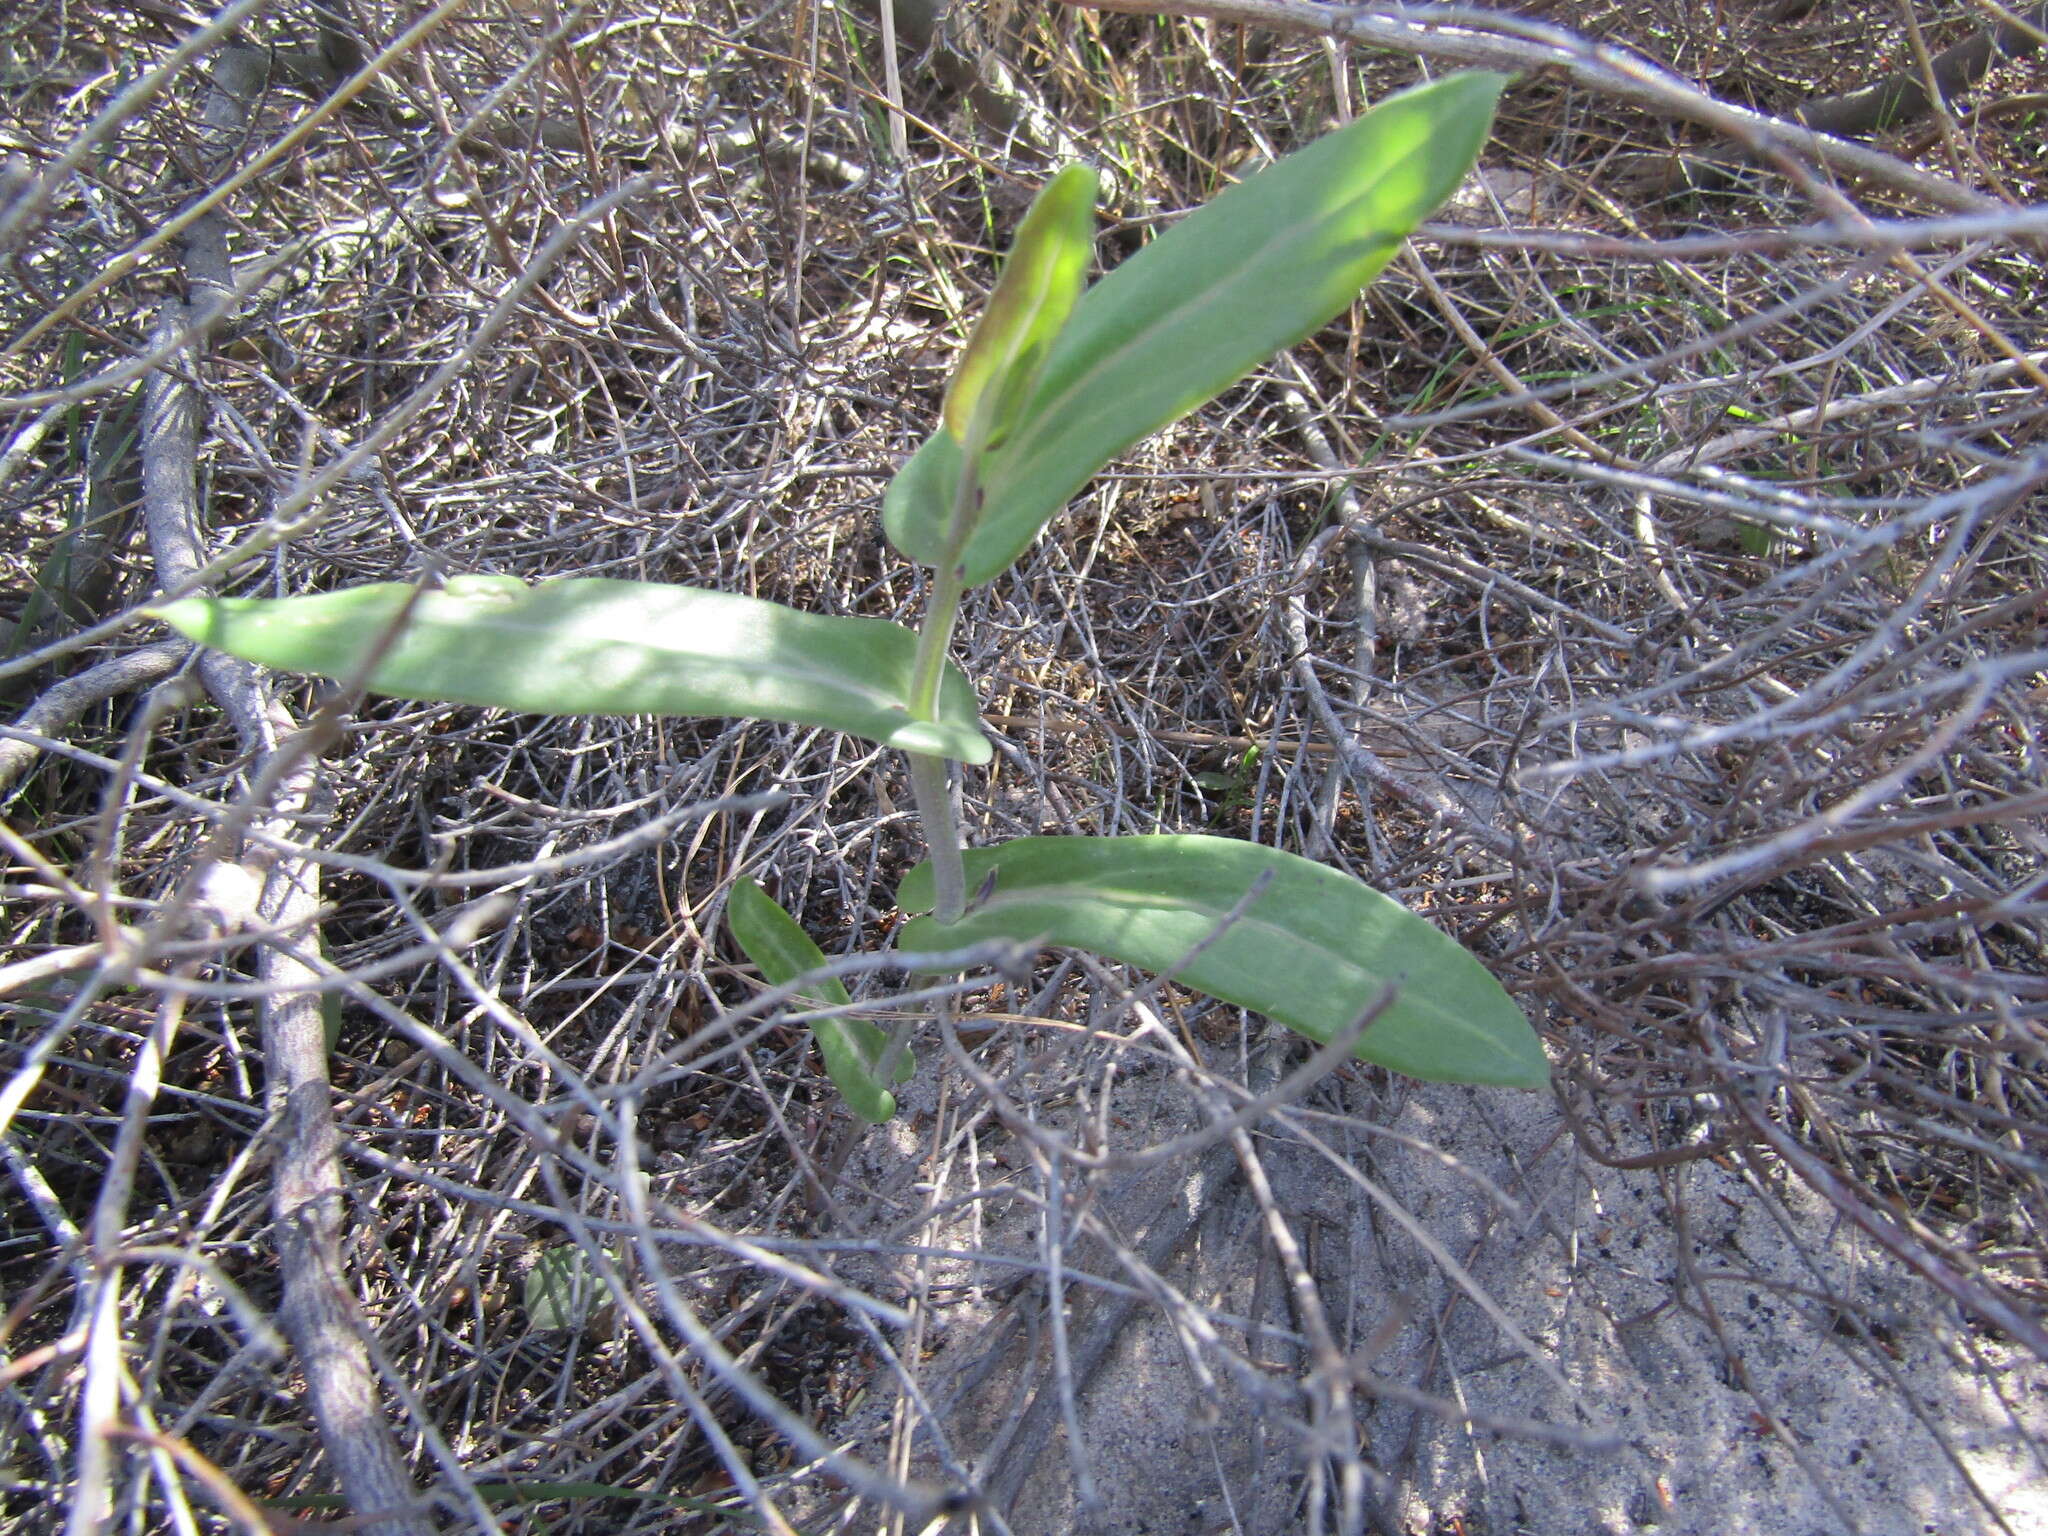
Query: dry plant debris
x=1646, y=581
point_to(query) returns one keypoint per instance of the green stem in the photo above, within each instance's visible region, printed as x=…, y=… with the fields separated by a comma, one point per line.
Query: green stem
x=933, y=794
x=942, y=604
x=929, y=776
x=934, y=635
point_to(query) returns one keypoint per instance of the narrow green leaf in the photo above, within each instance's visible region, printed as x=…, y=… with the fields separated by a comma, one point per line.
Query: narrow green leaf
x=782, y=951
x=1255, y=270
x=1041, y=279
x=1312, y=951
x=598, y=647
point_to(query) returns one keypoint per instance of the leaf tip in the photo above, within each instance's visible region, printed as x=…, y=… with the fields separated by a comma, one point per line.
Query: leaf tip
x=880, y=1111
x=187, y=615
x=1041, y=279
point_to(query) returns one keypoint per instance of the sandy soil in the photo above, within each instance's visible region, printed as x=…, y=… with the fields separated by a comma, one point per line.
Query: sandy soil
x=1703, y=1348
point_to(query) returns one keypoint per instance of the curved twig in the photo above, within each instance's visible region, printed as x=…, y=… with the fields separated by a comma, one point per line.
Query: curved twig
x=1461, y=35
x=1903, y=97
x=62, y=703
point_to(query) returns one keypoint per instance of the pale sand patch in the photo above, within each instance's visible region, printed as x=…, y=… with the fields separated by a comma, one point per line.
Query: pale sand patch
x=1760, y=1365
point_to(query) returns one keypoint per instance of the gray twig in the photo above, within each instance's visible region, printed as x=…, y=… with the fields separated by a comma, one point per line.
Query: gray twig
x=318, y=1313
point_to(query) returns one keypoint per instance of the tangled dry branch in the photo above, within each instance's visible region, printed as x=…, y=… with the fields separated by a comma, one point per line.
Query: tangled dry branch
x=1646, y=581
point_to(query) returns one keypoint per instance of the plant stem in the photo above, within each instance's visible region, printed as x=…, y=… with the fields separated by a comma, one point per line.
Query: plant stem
x=933, y=795
x=942, y=604
x=929, y=776
x=941, y=609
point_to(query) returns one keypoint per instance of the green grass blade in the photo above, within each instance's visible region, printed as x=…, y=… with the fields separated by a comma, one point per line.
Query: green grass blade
x=599, y=647
x=1257, y=269
x=782, y=951
x=1312, y=951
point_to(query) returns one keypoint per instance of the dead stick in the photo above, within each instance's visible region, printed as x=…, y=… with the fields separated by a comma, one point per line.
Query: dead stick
x=62, y=703
x=1903, y=97
x=1493, y=40
x=318, y=1313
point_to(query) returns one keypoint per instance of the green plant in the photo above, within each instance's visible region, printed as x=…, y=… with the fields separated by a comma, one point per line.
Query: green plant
x=1057, y=379
x=560, y=1289
x=1232, y=784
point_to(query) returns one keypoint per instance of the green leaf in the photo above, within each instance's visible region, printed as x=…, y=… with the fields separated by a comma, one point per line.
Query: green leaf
x=1042, y=277
x=1257, y=269
x=598, y=647
x=1756, y=538
x=560, y=1289
x=917, y=509
x=782, y=951
x=1312, y=951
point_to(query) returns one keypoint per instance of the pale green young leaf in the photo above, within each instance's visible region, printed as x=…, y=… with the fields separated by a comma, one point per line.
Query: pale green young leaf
x=560, y=1289
x=1041, y=279
x=1312, y=950
x=1255, y=270
x=783, y=952
x=600, y=647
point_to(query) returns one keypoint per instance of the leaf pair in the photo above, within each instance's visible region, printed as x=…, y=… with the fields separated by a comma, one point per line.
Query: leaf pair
x=1255, y=270
x=1054, y=383
x=1305, y=945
